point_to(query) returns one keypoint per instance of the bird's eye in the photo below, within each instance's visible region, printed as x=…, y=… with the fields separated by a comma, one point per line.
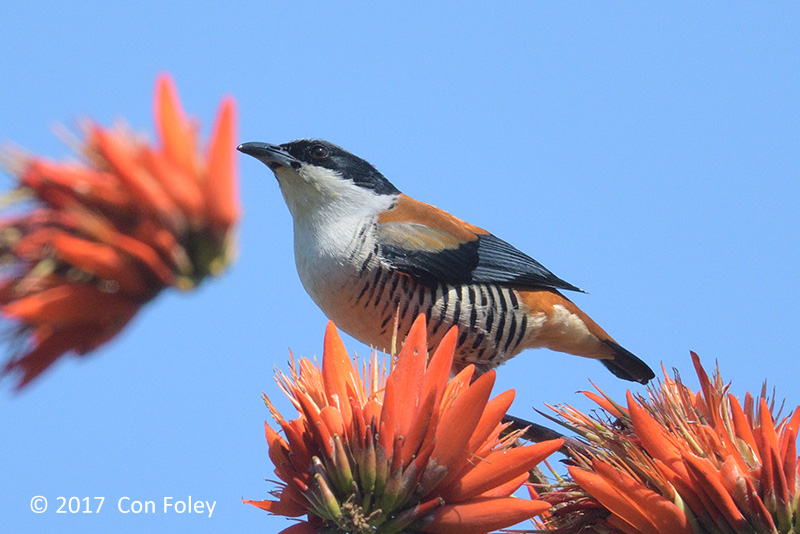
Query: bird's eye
x=319, y=152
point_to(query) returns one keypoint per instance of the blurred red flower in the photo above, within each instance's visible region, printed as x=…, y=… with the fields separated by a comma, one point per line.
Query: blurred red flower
x=400, y=450
x=103, y=236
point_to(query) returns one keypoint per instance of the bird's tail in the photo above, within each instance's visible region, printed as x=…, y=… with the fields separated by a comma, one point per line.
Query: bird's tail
x=626, y=365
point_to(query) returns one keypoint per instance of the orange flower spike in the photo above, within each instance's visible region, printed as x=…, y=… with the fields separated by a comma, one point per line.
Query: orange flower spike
x=175, y=132
x=220, y=186
x=121, y=216
x=480, y=516
x=373, y=467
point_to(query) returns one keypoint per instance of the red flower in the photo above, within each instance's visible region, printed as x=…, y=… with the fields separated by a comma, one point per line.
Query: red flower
x=105, y=235
x=403, y=451
x=682, y=462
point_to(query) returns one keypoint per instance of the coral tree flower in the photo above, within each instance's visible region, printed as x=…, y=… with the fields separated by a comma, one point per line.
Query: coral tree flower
x=103, y=236
x=682, y=462
x=411, y=451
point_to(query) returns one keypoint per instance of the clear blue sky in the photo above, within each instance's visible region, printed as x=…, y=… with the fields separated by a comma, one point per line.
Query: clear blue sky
x=646, y=153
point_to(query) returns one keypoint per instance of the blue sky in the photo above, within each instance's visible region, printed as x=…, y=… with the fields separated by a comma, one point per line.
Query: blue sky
x=647, y=153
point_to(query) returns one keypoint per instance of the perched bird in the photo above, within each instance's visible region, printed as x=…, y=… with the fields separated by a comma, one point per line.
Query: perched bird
x=366, y=252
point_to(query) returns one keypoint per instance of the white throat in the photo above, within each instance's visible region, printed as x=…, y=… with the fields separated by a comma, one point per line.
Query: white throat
x=333, y=226
x=317, y=196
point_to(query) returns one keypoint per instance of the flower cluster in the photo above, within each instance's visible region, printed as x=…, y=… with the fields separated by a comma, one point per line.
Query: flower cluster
x=410, y=450
x=681, y=462
x=104, y=235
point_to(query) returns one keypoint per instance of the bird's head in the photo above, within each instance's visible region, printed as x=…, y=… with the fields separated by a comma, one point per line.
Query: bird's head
x=318, y=178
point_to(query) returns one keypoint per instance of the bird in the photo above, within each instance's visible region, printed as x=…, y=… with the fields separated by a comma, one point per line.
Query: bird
x=370, y=256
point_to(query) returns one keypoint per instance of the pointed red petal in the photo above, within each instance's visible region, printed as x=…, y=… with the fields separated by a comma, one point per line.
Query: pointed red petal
x=438, y=370
x=70, y=304
x=182, y=187
x=103, y=261
x=459, y=422
x=302, y=528
x=144, y=189
x=337, y=372
x=220, y=186
x=332, y=418
x=654, y=438
x=482, y=515
x=285, y=507
x=604, y=403
x=742, y=426
x=611, y=493
x=498, y=468
x=492, y=416
x=174, y=131
x=508, y=488
x=706, y=478
x=408, y=375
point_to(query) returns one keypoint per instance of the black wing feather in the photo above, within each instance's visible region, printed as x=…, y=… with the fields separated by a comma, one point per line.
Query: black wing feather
x=487, y=260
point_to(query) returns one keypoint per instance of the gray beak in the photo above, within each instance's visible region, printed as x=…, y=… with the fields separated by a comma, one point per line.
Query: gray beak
x=273, y=156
